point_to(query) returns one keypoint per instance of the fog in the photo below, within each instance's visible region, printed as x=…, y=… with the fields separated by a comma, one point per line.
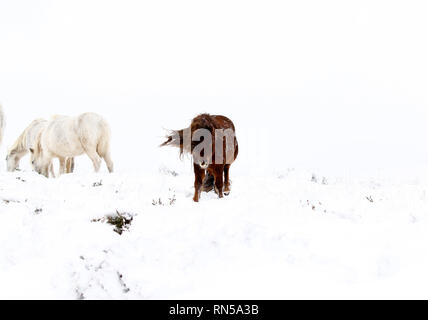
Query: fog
x=334, y=86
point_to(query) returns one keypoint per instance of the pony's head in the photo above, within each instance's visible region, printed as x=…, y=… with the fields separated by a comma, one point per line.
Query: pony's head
x=38, y=161
x=12, y=160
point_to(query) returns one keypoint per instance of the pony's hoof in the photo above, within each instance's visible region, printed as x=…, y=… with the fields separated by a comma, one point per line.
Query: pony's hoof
x=226, y=190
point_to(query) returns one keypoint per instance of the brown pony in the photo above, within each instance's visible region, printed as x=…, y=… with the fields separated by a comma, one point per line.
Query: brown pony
x=211, y=164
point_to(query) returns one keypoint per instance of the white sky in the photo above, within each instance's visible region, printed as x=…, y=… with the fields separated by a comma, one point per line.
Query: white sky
x=336, y=86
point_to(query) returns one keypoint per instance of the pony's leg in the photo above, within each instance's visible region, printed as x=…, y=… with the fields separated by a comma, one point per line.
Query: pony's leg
x=45, y=171
x=199, y=179
x=61, y=166
x=103, y=151
x=70, y=165
x=109, y=162
x=226, y=180
x=96, y=160
x=67, y=165
x=218, y=177
x=51, y=170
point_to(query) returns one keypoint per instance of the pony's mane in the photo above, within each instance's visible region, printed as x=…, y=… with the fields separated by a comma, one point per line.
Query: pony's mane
x=57, y=116
x=203, y=121
x=20, y=145
x=38, y=145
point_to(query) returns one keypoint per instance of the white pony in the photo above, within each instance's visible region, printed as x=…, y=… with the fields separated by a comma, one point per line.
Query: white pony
x=2, y=123
x=26, y=141
x=68, y=137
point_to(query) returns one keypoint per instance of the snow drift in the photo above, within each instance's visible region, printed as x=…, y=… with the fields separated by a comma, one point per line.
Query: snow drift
x=290, y=235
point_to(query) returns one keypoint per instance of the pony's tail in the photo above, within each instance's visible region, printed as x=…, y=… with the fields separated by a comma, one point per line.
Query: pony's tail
x=175, y=138
x=167, y=142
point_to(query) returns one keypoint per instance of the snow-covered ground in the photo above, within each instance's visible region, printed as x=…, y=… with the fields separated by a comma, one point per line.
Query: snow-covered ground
x=289, y=235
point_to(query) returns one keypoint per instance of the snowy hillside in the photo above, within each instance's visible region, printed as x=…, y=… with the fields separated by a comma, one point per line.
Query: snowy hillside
x=292, y=235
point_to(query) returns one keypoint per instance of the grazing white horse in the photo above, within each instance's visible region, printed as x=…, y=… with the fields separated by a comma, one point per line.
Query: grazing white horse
x=26, y=141
x=68, y=137
x=2, y=123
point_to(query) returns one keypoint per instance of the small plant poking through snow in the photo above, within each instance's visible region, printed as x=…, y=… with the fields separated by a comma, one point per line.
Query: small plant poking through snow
x=125, y=289
x=170, y=202
x=166, y=171
x=121, y=221
x=97, y=184
x=157, y=202
x=7, y=201
x=316, y=180
x=315, y=206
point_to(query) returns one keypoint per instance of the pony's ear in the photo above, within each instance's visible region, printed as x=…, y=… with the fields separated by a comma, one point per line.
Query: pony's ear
x=31, y=150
